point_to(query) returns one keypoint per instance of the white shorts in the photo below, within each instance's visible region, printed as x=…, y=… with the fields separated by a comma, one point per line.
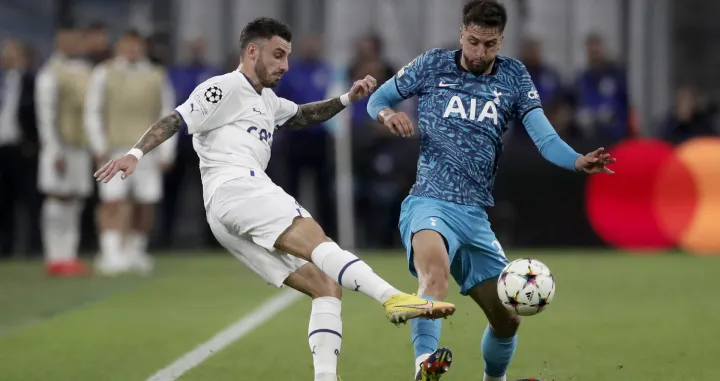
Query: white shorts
x=74, y=181
x=247, y=215
x=144, y=186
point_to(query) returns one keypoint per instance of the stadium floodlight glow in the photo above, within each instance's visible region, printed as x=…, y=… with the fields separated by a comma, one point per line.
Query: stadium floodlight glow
x=661, y=197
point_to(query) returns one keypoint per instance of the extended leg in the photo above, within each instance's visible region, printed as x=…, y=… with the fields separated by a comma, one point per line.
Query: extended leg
x=306, y=239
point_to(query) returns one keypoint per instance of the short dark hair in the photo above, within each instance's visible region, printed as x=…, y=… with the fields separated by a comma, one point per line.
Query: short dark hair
x=485, y=13
x=264, y=28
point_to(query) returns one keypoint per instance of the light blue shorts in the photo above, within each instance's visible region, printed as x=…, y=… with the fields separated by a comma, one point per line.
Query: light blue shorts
x=475, y=254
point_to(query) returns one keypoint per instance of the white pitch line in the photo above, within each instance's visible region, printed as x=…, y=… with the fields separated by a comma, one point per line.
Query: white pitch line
x=234, y=332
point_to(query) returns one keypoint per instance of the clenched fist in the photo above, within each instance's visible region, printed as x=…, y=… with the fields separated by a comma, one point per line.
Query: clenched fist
x=362, y=88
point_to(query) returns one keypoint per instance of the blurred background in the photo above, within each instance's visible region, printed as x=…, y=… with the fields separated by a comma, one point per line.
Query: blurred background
x=638, y=77
x=608, y=72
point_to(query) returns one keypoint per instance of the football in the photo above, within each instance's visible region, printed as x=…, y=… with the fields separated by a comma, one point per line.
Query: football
x=526, y=286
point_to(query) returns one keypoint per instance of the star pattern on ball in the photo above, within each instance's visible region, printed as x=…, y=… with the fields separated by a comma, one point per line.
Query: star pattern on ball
x=213, y=94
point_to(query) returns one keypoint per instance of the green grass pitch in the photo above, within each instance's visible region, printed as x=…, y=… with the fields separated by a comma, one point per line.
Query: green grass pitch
x=614, y=317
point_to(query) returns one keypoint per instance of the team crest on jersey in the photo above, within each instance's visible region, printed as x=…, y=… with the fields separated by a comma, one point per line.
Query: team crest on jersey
x=213, y=94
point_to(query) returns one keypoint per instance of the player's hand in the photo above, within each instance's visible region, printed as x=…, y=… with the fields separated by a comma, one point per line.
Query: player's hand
x=125, y=164
x=595, y=162
x=399, y=124
x=362, y=88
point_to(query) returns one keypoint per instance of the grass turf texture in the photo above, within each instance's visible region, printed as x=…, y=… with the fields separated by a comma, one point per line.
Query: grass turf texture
x=614, y=317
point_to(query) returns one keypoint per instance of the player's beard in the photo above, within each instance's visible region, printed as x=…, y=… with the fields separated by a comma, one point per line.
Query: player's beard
x=478, y=67
x=265, y=78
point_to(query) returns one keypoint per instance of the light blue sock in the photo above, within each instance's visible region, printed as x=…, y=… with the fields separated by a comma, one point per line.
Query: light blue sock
x=497, y=352
x=425, y=333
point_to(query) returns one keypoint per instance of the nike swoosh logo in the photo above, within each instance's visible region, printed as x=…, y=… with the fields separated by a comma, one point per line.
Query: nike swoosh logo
x=427, y=304
x=443, y=84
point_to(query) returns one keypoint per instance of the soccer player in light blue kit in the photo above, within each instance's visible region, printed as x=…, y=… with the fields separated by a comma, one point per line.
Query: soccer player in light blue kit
x=466, y=98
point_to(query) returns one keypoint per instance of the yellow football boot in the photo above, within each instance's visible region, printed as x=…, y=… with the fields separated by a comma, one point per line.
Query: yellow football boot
x=402, y=307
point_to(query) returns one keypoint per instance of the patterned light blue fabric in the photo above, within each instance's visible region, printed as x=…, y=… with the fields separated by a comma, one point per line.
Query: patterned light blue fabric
x=462, y=117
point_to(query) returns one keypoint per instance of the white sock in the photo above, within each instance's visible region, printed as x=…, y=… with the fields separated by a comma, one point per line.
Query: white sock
x=351, y=272
x=53, y=229
x=419, y=360
x=111, y=243
x=491, y=378
x=72, y=229
x=137, y=243
x=325, y=337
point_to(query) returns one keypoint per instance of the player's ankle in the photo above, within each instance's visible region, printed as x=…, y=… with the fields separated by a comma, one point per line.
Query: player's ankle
x=389, y=293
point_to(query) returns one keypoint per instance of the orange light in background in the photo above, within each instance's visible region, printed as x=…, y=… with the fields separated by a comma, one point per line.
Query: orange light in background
x=702, y=158
x=675, y=198
x=660, y=197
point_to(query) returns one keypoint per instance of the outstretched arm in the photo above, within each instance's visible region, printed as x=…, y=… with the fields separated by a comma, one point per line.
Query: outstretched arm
x=309, y=114
x=556, y=151
x=160, y=131
x=312, y=113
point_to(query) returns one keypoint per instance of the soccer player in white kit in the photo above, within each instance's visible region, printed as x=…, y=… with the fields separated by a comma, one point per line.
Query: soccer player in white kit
x=233, y=118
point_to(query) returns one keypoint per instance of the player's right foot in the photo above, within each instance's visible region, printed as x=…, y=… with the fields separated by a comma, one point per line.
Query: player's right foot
x=402, y=307
x=71, y=268
x=437, y=364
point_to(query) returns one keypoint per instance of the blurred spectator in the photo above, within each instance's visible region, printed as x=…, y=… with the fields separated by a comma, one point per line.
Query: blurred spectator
x=688, y=118
x=384, y=164
x=308, y=150
x=602, y=93
x=18, y=148
x=368, y=60
x=97, y=42
x=185, y=77
x=125, y=96
x=546, y=79
x=65, y=164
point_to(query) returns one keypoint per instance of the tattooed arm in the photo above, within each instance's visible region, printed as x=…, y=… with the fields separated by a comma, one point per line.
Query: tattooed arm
x=309, y=114
x=161, y=131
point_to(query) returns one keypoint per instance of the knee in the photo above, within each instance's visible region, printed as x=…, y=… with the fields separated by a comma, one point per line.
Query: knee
x=506, y=325
x=301, y=238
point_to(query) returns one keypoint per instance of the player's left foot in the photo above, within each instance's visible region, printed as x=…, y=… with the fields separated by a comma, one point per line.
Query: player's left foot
x=435, y=366
x=529, y=379
x=402, y=307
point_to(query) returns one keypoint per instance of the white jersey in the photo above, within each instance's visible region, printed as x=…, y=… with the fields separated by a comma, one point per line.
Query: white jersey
x=232, y=127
